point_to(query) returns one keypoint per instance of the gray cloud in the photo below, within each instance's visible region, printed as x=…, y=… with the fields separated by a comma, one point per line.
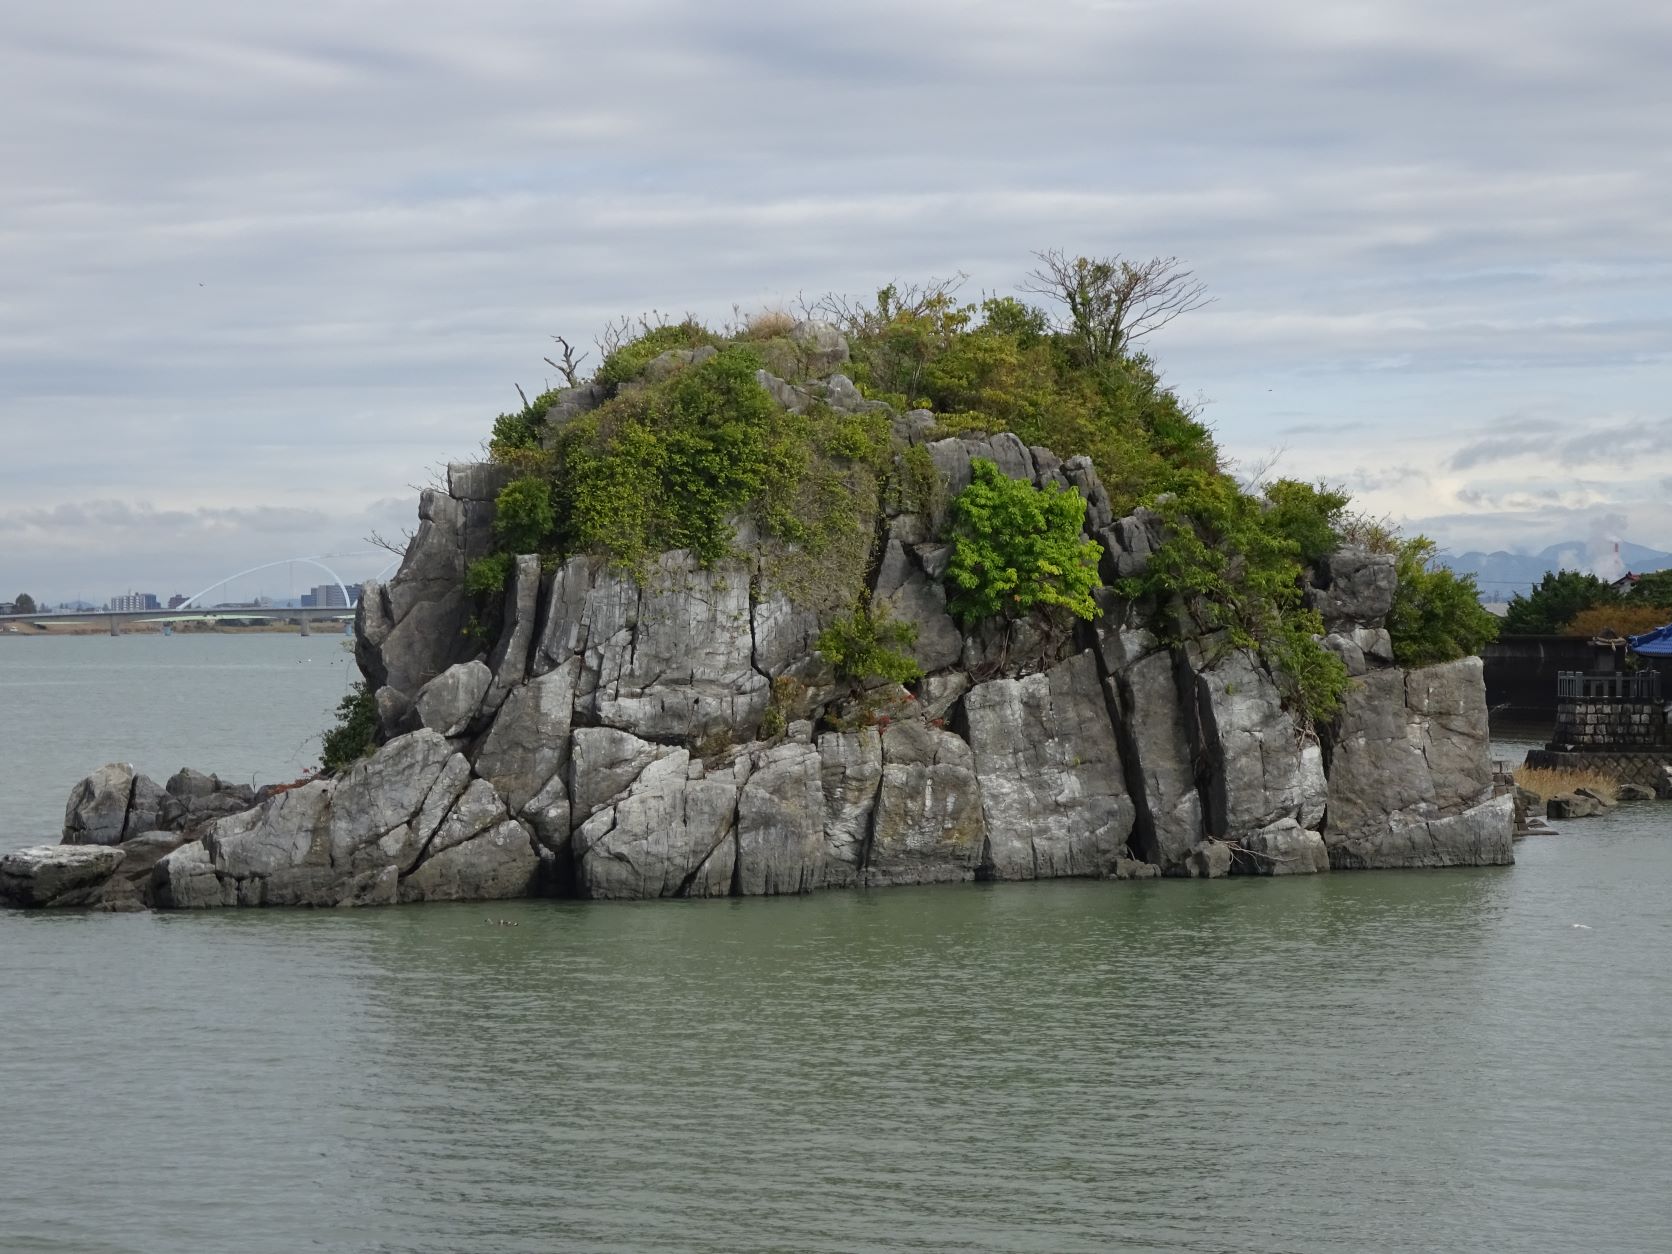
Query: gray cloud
x=1384, y=479
x=297, y=255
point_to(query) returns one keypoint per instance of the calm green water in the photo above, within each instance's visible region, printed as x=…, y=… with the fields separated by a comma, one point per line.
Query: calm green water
x=1384, y=1061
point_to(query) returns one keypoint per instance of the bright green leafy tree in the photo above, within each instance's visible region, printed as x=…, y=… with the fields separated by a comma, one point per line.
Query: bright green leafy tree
x=1017, y=548
x=1436, y=614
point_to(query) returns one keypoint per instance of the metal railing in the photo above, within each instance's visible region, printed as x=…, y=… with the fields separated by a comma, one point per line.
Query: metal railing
x=1615, y=686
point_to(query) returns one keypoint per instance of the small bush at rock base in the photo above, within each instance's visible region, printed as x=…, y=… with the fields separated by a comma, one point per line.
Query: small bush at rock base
x=867, y=644
x=355, y=734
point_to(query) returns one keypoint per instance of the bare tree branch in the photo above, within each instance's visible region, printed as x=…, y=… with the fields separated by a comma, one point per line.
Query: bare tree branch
x=1252, y=475
x=1111, y=301
x=569, y=367
x=857, y=316
x=389, y=546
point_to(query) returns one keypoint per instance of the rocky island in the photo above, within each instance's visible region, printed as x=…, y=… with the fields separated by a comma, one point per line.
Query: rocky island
x=933, y=593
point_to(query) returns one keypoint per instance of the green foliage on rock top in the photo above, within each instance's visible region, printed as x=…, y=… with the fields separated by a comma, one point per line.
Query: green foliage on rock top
x=520, y=432
x=1307, y=515
x=997, y=366
x=1235, y=561
x=355, y=734
x=1436, y=615
x=1017, y=549
x=677, y=458
x=1554, y=602
x=667, y=466
x=674, y=463
x=629, y=360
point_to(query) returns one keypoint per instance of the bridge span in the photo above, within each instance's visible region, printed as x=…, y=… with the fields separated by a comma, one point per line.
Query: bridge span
x=186, y=611
x=116, y=618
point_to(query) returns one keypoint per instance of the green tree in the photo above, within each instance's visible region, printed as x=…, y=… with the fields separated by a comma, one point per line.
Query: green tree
x=1436, y=615
x=1655, y=589
x=1233, y=561
x=25, y=603
x=524, y=515
x=1017, y=548
x=1308, y=515
x=1552, y=604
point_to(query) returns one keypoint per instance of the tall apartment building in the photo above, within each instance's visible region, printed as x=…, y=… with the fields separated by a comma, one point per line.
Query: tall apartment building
x=135, y=601
x=329, y=596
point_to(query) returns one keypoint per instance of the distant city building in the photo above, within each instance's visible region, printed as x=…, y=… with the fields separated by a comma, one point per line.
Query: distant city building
x=134, y=601
x=329, y=596
x=308, y=601
x=177, y=600
x=8, y=607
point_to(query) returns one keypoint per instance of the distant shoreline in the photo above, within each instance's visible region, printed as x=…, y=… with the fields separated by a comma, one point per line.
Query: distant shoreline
x=151, y=629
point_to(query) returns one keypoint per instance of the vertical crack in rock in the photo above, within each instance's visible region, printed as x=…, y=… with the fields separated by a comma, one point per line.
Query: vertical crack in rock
x=1117, y=701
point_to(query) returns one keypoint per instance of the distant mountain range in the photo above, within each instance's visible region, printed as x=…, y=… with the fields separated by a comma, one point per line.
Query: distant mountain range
x=1502, y=575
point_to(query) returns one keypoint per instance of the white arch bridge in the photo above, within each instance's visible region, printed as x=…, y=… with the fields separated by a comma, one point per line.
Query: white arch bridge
x=190, y=611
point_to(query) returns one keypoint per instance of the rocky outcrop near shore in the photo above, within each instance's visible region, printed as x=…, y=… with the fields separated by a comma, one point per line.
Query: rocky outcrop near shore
x=678, y=734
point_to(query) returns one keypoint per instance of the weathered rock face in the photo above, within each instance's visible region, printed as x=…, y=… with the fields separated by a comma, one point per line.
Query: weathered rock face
x=97, y=812
x=1410, y=781
x=666, y=831
x=679, y=735
x=410, y=630
x=56, y=875
x=1162, y=764
x=1053, y=790
x=1353, y=589
x=927, y=826
x=449, y=703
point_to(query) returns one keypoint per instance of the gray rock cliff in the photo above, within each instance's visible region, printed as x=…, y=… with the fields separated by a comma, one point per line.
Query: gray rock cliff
x=679, y=735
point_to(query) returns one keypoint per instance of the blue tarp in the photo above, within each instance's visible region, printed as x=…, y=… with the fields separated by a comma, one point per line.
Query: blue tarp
x=1654, y=643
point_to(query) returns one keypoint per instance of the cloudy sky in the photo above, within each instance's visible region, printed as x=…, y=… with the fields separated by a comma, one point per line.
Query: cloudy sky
x=264, y=267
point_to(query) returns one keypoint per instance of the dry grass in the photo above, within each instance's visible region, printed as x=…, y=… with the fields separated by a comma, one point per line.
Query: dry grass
x=768, y=324
x=1550, y=782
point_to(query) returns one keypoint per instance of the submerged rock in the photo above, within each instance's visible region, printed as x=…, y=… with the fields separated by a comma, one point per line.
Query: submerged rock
x=56, y=875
